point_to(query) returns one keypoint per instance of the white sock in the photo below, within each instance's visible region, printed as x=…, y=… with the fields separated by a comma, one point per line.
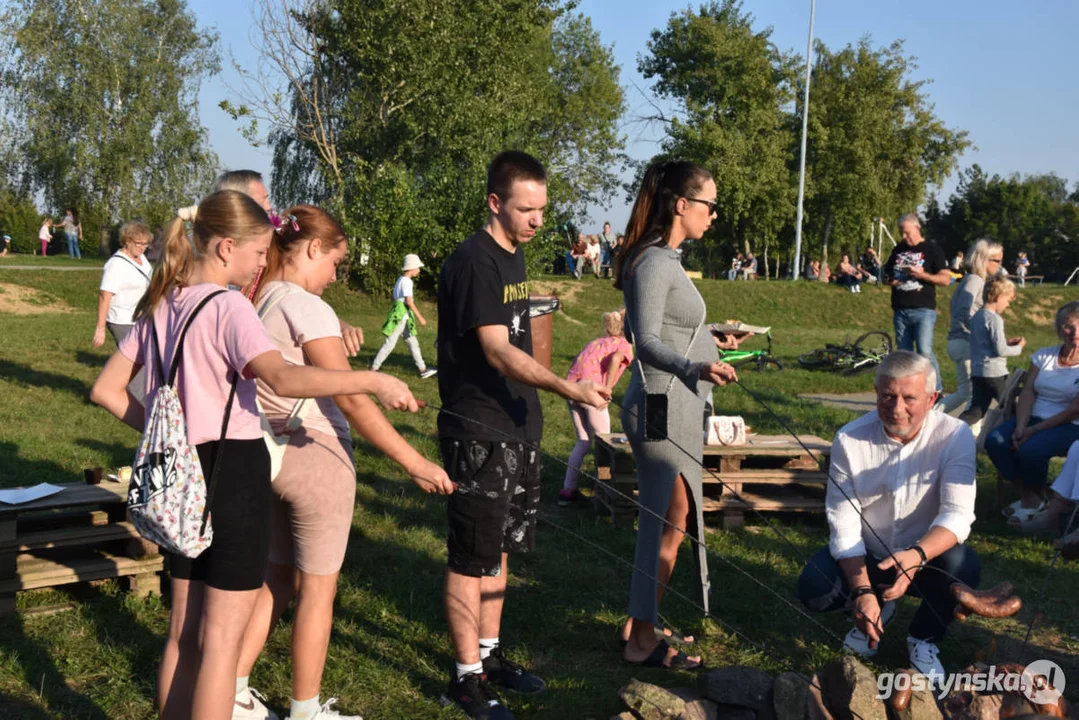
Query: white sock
x=304, y=709
x=467, y=669
x=241, y=683
x=486, y=646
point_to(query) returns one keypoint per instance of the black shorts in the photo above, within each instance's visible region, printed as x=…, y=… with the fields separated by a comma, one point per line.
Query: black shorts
x=494, y=507
x=238, y=557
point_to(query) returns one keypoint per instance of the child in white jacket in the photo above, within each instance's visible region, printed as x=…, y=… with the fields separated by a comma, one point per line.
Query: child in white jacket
x=402, y=319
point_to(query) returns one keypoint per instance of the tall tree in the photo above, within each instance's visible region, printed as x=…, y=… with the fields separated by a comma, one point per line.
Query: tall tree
x=1035, y=214
x=104, y=97
x=733, y=86
x=426, y=94
x=874, y=143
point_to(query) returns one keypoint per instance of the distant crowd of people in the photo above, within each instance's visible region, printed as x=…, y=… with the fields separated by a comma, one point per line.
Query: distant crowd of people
x=594, y=252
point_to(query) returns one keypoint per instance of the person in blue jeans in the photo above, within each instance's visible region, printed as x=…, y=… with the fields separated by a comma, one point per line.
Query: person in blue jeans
x=72, y=232
x=914, y=270
x=1046, y=420
x=907, y=472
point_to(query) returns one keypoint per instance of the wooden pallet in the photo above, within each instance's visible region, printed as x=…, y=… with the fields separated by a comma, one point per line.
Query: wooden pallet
x=770, y=474
x=80, y=534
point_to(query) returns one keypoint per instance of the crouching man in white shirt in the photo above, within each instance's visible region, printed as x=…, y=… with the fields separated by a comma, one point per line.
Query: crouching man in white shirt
x=909, y=471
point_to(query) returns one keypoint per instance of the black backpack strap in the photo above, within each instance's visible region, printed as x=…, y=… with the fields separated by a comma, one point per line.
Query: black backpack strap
x=211, y=481
x=132, y=263
x=183, y=334
x=158, y=362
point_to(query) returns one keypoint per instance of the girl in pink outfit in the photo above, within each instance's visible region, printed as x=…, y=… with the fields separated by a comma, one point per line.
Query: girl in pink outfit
x=213, y=595
x=602, y=360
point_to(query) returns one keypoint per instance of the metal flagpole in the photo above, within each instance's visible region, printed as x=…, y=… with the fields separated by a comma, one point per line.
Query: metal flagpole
x=802, y=162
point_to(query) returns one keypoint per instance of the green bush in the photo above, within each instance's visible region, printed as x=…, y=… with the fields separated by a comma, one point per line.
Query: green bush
x=20, y=219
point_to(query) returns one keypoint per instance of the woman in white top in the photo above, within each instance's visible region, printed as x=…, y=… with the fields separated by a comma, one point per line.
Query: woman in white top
x=1046, y=421
x=123, y=283
x=315, y=490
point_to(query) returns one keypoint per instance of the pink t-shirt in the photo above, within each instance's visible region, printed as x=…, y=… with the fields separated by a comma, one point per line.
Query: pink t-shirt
x=594, y=361
x=295, y=319
x=224, y=337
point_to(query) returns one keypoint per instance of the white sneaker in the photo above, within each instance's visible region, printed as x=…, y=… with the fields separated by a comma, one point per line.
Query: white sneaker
x=429, y=372
x=857, y=641
x=326, y=712
x=923, y=658
x=250, y=705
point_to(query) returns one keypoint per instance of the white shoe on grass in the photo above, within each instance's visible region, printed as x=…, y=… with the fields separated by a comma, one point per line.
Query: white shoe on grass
x=250, y=705
x=857, y=642
x=923, y=658
x=324, y=713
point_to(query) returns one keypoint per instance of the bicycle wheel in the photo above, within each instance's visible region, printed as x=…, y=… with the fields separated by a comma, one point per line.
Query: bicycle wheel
x=758, y=363
x=818, y=359
x=874, y=343
x=767, y=362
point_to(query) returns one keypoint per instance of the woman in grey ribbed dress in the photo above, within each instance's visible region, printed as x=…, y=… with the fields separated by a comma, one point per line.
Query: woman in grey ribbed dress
x=983, y=258
x=675, y=355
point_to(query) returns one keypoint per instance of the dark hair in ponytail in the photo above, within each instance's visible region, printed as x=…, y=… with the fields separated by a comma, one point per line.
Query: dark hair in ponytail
x=653, y=211
x=299, y=224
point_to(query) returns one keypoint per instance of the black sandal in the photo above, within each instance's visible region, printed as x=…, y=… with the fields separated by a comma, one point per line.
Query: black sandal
x=679, y=661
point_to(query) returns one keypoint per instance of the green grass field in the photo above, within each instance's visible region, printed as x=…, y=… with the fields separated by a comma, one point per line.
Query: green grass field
x=390, y=655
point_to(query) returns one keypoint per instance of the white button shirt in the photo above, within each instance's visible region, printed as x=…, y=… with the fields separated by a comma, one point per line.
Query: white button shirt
x=901, y=490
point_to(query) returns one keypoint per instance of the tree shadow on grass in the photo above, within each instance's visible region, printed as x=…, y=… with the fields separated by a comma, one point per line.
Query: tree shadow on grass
x=40, y=671
x=38, y=378
x=118, y=454
x=91, y=359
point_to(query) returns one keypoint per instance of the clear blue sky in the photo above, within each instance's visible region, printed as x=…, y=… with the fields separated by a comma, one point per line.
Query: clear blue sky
x=1005, y=71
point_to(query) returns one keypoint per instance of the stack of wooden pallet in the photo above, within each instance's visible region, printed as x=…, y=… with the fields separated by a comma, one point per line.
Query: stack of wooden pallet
x=767, y=474
x=77, y=535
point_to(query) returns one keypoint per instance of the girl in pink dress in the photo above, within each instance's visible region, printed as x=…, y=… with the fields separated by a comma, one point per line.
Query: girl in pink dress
x=602, y=360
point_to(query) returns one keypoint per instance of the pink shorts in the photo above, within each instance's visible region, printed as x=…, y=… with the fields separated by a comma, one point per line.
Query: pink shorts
x=313, y=503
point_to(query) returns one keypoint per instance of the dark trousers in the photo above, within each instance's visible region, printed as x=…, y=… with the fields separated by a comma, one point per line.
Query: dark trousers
x=984, y=390
x=822, y=587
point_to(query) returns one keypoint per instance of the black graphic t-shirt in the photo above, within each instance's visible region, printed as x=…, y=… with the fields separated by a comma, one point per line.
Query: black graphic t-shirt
x=483, y=284
x=911, y=293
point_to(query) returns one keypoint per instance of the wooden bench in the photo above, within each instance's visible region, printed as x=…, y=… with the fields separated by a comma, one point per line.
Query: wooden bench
x=77, y=535
x=771, y=473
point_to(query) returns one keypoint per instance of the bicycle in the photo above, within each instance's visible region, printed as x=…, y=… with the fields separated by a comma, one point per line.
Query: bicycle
x=862, y=355
x=755, y=359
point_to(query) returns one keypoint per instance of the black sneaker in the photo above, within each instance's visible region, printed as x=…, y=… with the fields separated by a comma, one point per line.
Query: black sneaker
x=475, y=697
x=505, y=673
x=573, y=497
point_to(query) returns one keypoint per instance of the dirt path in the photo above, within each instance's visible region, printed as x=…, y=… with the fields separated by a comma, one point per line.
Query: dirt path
x=19, y=300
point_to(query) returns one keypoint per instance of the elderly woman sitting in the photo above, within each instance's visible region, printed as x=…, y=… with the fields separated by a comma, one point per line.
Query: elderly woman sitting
x=1046, y=421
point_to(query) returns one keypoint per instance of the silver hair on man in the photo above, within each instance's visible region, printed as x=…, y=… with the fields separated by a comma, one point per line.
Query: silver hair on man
x=904, y=363
x=909, y=218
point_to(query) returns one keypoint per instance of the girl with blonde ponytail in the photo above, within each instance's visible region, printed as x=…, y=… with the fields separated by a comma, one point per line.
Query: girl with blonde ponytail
x=213, y=595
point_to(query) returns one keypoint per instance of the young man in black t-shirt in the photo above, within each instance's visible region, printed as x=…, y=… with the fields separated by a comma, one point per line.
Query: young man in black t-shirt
x=490, y=425
x=914, y=269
